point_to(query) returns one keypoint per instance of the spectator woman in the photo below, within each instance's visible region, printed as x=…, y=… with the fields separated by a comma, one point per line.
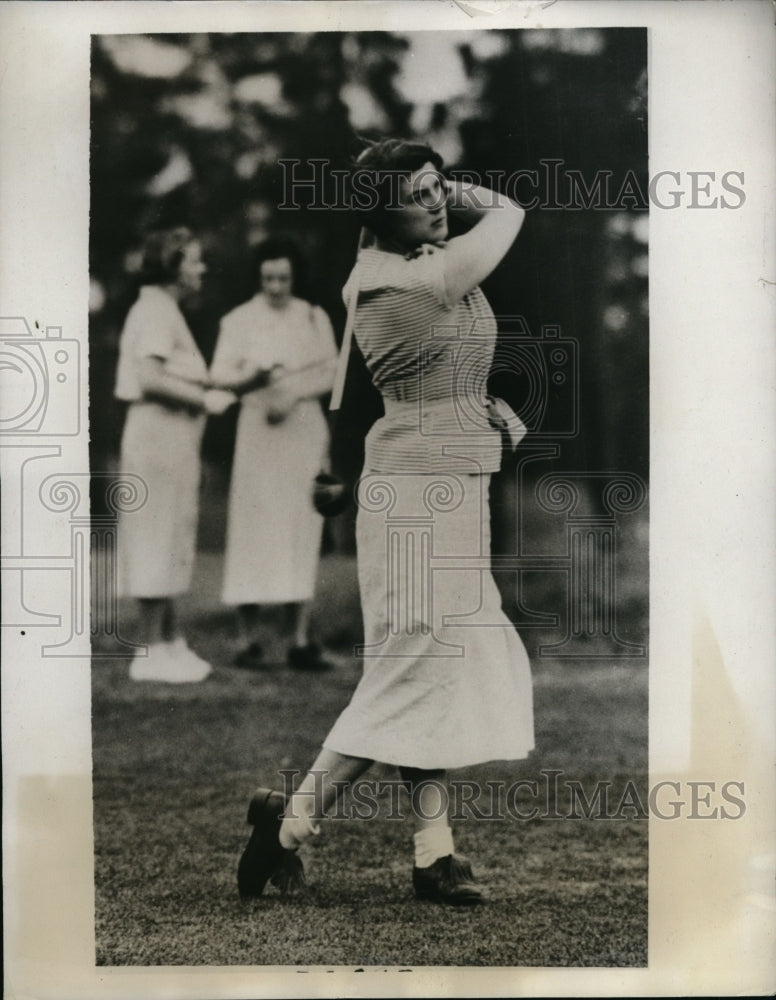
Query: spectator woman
x=163, y=377
x=276, y=351
x=446, y=680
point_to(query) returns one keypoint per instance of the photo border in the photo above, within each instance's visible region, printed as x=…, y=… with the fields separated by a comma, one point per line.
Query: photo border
x=713, y=482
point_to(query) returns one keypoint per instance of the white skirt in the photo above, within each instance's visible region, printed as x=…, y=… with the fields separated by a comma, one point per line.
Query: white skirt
x=157, y=543
x=446, y=681
x=273, y=531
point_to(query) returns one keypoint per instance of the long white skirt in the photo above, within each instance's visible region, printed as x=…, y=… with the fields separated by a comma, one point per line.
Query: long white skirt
x=157, y=543
x=446, y=681
x=273, y=531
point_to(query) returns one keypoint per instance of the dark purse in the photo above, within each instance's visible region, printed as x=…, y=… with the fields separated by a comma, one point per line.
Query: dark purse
x=331, y=495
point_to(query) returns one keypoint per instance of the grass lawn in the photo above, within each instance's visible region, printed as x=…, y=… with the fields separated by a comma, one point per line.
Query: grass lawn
x=174, y=769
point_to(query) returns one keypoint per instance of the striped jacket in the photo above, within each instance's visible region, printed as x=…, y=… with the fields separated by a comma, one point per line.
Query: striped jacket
x=429, y=358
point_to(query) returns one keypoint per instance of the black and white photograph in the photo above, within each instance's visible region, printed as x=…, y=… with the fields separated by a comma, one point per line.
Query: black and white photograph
x=390, y=526
x=255, y=201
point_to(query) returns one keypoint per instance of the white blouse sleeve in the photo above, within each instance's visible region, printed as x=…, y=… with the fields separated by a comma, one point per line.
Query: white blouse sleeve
x=147, y=333
x=150, y=331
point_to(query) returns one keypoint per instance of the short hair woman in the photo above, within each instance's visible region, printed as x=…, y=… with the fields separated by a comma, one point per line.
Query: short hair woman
x=446, y=680
x=162, y=376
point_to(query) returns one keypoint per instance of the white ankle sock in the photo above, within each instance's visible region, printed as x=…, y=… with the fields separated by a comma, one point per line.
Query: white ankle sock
x=431, y=843
x=297, y=826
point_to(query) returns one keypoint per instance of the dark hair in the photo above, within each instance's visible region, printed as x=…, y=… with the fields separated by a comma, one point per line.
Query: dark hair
x=276, y=248
x=374, y=173
x=163, y=253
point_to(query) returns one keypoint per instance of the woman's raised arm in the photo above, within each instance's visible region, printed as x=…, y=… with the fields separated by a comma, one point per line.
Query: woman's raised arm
x=495, y=221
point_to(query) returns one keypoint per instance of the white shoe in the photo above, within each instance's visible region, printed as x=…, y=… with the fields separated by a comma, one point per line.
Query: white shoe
x=167, y=664
x=185, y=652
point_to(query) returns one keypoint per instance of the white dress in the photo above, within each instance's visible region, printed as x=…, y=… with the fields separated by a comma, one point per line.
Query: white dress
x=273, y=531
x=160, y=444
x=447, y=680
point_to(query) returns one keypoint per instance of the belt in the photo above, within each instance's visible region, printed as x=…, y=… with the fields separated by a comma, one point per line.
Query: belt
x=429, y=407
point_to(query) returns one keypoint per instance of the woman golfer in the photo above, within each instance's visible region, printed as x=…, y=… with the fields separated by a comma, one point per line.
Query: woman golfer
x=446, y=680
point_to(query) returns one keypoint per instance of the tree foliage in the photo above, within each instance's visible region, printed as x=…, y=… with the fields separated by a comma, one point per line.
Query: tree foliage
x=191, y=128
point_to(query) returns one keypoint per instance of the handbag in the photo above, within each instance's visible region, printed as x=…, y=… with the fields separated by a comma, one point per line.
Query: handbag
x=331, y=495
